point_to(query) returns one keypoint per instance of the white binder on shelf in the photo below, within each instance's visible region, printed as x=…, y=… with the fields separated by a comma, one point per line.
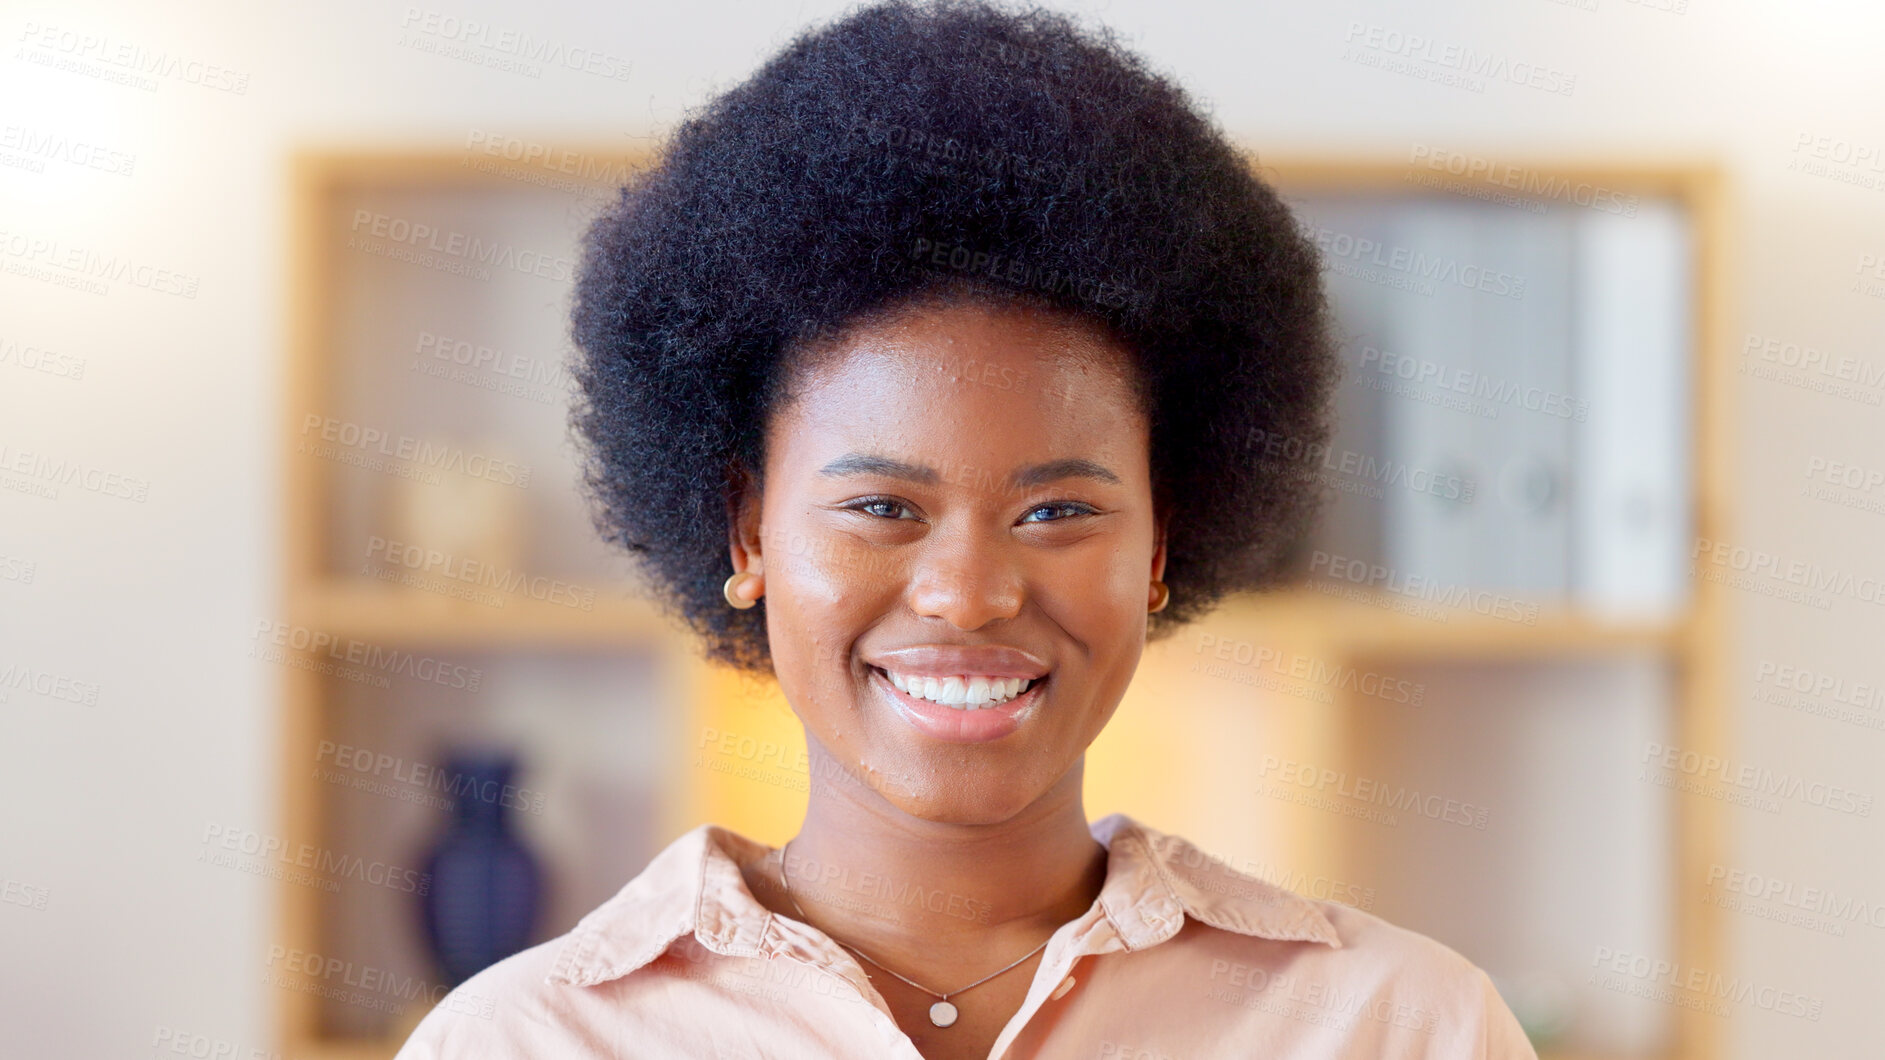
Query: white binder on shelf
x=1632, y=511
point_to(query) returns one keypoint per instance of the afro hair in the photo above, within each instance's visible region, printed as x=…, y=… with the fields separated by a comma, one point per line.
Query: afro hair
x=958, y=149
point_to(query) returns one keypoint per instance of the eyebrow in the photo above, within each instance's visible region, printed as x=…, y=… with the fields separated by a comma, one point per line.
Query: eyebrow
x=1033, y=475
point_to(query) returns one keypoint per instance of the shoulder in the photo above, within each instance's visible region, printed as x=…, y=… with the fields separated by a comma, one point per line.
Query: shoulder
x=1381, y=950
x=1329, y=964
x=1408, y=987
x=531, y=1003
x=504, y=1010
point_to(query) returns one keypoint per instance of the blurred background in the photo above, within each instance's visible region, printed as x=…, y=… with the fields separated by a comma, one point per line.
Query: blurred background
x=316, y=690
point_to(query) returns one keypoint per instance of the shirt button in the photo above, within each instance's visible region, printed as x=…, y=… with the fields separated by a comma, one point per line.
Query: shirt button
x=1061, y=990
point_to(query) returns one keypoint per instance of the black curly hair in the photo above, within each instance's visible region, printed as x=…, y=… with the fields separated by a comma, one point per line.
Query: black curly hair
x=953, y=149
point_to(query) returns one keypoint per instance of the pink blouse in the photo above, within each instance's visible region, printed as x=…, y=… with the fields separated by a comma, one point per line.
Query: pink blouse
x=1179, y=957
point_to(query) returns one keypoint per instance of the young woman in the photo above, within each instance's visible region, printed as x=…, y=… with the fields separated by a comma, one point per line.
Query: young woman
x=930, y=371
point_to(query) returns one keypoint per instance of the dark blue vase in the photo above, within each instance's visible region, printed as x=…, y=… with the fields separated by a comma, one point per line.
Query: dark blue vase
x=486, y=888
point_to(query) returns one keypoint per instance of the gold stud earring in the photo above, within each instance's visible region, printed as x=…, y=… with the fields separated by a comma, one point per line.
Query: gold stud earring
x=732, y=587
x=1164, y=596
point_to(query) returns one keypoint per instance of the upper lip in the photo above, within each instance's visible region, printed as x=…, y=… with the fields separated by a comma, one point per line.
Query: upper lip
x=944, y=660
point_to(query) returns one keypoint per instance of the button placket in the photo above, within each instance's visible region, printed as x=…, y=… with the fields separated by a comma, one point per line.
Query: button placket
x=1061, y=955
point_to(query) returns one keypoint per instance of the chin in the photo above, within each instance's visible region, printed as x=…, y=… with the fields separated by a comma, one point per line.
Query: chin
x=943, y=794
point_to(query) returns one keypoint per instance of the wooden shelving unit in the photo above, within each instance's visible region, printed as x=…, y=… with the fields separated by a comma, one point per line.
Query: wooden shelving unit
x=1341, y=631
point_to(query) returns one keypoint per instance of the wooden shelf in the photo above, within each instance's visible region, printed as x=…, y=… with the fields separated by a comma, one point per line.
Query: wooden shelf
x=344, y=1048
x=1379, y=627
x=383, y=614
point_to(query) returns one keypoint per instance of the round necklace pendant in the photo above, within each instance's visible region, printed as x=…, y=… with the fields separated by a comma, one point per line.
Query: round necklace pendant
x=942, y=1014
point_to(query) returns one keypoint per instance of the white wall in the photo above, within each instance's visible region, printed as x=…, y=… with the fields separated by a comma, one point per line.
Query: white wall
x=104, y=806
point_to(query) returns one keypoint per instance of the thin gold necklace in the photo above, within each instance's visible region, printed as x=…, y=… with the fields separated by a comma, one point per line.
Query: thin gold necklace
x=942, y=1013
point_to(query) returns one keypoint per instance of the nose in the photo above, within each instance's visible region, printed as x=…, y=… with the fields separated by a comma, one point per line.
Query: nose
x=966, y=583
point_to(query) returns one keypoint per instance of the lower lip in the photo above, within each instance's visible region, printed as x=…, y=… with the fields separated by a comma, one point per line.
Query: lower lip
x=959, y=726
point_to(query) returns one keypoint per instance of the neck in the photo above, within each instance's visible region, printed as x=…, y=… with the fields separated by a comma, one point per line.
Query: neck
x=861, y=865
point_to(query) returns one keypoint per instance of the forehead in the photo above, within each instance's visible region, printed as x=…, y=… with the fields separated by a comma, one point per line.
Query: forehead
x=993, y=386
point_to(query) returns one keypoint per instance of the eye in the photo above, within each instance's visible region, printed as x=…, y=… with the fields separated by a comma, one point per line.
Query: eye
x=881, y=507
x=1068, y=508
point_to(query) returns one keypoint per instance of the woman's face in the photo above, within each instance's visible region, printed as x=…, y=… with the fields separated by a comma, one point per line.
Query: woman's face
x=960, y=491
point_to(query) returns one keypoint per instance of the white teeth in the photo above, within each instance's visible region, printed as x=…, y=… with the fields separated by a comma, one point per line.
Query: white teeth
x=962, y=691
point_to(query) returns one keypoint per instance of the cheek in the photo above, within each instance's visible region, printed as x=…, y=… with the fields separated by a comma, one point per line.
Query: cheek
x=819, y=601
x=1099, y=594
x=830, y=574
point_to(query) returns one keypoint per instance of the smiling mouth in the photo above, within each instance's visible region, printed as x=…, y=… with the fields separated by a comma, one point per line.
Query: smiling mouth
x=964, y=692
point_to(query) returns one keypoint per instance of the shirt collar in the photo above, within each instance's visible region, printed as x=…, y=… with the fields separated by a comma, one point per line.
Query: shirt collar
x=1153, y=882
x=1152, y=877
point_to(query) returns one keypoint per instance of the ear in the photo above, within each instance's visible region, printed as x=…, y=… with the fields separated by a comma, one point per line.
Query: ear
x=744, y=536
